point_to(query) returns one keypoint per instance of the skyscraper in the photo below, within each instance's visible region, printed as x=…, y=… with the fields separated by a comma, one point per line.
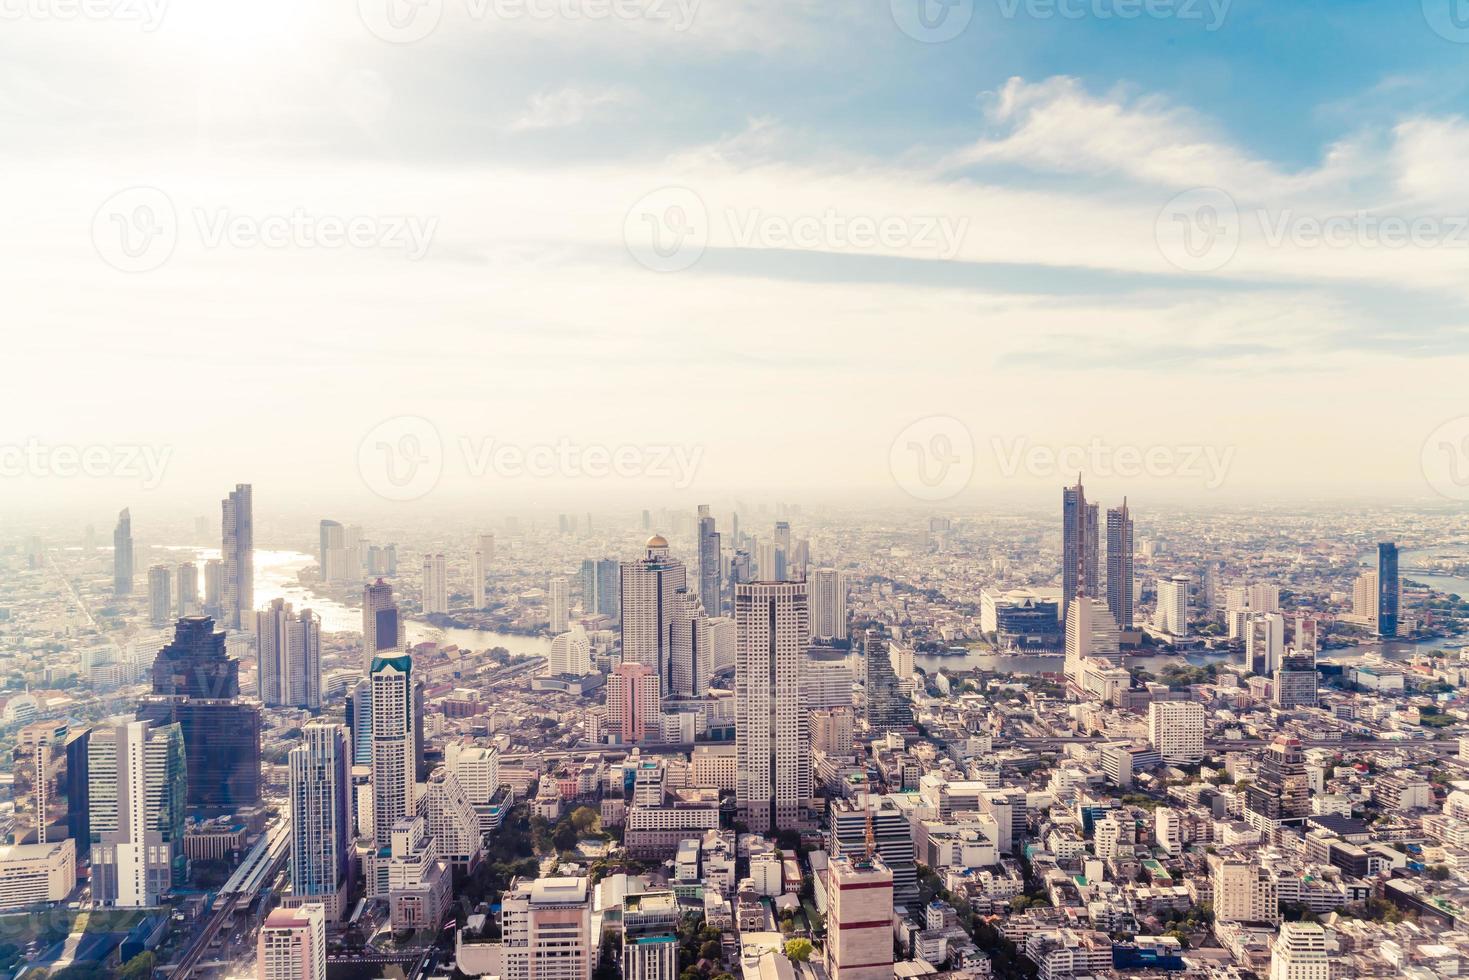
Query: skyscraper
x=484, y=553
x=888, y=709
x=859, y=941
x=828, y=590
x=332, y=553
x=321, y=821
x=558, y=603
x=290, y=656
x=650, y=936
x=160, y=599
x=710, y=589
x=547, y=927
x=292, y=944
x=197, y=684
x=1295, y=680
x=632, y=702
x=237, y=551
x=692, y=657
x=41, y=785
x=1176, y=730
x=122, y=554
x=1079, y=563
x=1389, y=592
x=1264, y=642
x=394, y=767
x=1280, y=793
x=571, y=653
x=382, y=628
x=1119, y=565
x=1172, y=614
x=774, y=784
x=188, y=599
x=892, y=839
x=435, y=584
x=647, y=604
x=783, y=553
x=136, y=787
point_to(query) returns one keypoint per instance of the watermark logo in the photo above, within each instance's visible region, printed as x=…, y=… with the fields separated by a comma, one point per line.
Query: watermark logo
x=1449, y=19
x=136, y=230
x=1210, y=13
x=147, y=14
x=1445, y=459
x=400, y=21
x=1198, y=230
x=33, y=458
x=937, y=236
x=667, y=230
x=932, y=21
x=1206, y=464
x=402, y=458
x=676, y=464
x=933, y=458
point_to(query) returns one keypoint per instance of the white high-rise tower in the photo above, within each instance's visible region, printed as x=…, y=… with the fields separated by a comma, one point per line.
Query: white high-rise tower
x=435, y=584
x=771, y=744
x=648, y=588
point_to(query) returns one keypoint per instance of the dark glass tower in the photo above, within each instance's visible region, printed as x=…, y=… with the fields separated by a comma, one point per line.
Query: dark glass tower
x=887, y=709
x=1280, y=792
x=196, y=684
x=1079, y=565
x=709, y=586
x=1388, y=591
x=122, y=554
x=1119, y=565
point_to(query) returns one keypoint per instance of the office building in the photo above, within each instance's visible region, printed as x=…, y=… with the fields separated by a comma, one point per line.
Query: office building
x=1090, y=633
x=122, y=554
x=382, y=626
x=137, y=789
x=692, y=659
x=435, y=585
x=632, y=703
x=321, y=818
x=770, y=713
x=332, y=554
x=1119, y=565
x=289, y=646
x=1280, y=793
x=31, y=874
x=1389, y=589
x=571, y=653
x=1244, y=892
x=292, y=944
x=547, y=929
x=648, y=587
x=40, y=784
x=1264, y=642
x=1299, y=953
x=197, y=684
x=888, y=708
x=1172, y=615
x=452, y=821
x=1176, y=730
x=859, y=937
x=160, y=598
x=1295, y=680
x=710, y=585
x=1264, y=598
x=237, y=552
x=188, y=582
x=782, y=545
x=1027, y=619
x=832, y=730
x=558, y=603
x=394, y=761
x=892, y=836
x=828, y=591
x=1079, y=552
x=650, y=936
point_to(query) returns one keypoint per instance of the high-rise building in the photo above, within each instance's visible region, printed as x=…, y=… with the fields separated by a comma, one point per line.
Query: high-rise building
x=1308, y=634
x=1090, y=632
x=484, y=554
x=782, y=543
x=650, y=936
x=888, y=708
x=1176, y=730
x=710, y=587
x=558, y=603
x=290, y=656
x=237, y=551
x=213, y=587
x=160, y=598
x=321, y=818
x=571, y=653
x=632, y=703
x=435, y=584
x=394, y=766
x=771, y=741
x=1172, y=614
x=41, y=785
x=1264, y=597
x=828, y=590
x=1296, y=680
x=547, y=928
x=188, y=599
x=1280, y=793
x=689, y=647
x=1365, y=597
x=452, y=821
x=1264, y=642
x=892, y=836
x=382, y=627
x=1244, y=892
x=832, y=730
x=292, y=944
x=197, y=684
x=647, y=603
x=136, y=800
x=1079, y=561
x=1119, y=565
x=1299, y=953
x=332, y=554
x=122, y=554
x=1389, y=591
x=859, y=939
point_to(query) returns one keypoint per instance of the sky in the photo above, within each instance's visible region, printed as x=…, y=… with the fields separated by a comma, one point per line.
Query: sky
x=400, y=252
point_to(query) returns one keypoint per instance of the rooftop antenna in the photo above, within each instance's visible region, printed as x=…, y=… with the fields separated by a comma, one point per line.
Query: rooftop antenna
x=871, y=834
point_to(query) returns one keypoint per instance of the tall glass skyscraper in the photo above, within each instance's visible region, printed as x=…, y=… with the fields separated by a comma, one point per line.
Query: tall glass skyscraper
x=1119, y=565
x=1079, y=563
x=122, y=554
x=321, y=824
x=237, y=549
x=1389, y=592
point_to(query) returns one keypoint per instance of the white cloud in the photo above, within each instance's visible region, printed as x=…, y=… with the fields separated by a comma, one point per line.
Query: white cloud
x=566, y=107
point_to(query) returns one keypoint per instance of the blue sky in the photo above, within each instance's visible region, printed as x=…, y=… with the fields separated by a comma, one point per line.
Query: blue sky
x=789, y=217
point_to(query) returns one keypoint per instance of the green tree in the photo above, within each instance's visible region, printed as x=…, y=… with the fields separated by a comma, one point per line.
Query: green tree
x=798, y=950
x=140, y=967
x=584, y=819
x=709, y=950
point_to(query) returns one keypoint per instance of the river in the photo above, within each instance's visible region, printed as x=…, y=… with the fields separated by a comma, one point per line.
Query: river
x=277, y=576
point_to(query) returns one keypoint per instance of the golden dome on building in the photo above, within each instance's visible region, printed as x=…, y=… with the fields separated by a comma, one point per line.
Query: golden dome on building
x=657, y=541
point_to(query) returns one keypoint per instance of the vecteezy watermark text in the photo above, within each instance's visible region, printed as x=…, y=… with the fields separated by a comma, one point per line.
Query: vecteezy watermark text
x=36, y=459
x=147, y=14
x=407, y=21
x=1210, y=13
x=403, y=458
x=1207, y=464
